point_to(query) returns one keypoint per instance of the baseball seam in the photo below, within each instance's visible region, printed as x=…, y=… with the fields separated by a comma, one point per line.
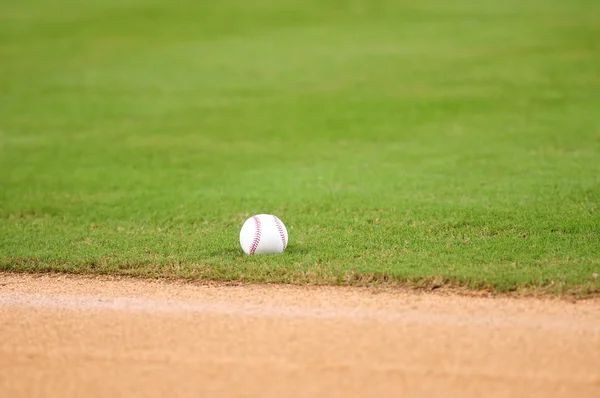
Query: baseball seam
x=257, y=233
x=281, y=233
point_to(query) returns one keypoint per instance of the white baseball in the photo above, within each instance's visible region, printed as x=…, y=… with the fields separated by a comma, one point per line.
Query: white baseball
x=263, y=234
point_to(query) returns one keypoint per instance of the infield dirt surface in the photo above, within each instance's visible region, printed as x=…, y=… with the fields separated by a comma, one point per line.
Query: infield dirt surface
x=73, y=336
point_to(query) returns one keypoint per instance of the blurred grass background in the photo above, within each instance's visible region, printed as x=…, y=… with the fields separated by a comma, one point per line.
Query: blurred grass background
x=420, y=143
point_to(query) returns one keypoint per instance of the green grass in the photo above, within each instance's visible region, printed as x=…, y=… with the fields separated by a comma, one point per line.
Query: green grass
x=420, y=143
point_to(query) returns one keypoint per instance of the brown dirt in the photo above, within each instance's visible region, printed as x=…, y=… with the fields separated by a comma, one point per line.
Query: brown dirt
x=73, y=336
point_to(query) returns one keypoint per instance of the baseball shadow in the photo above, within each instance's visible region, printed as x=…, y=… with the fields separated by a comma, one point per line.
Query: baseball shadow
x=295, y=249
x=237, y=251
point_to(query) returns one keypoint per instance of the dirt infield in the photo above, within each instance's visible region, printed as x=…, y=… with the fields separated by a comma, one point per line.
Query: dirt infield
x=89, y=336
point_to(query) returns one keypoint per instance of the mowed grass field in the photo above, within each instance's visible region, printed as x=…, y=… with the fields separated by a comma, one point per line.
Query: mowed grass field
x=418, y=143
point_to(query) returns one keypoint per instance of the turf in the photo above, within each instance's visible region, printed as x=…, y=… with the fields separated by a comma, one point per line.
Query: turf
x=424, y=143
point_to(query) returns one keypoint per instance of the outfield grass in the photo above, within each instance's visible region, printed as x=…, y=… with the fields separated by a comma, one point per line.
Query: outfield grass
x=411, y=142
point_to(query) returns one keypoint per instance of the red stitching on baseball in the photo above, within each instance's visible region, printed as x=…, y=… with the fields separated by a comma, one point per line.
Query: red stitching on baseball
x=257, y=232
x=281, y=233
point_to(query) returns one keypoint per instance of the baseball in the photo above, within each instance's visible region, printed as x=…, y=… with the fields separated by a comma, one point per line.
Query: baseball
x=263, y=234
